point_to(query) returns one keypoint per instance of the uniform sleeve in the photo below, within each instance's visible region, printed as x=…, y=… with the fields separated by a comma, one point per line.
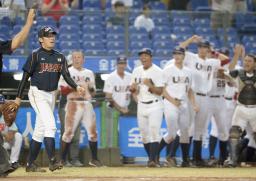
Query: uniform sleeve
x=62, y=82
x=158, y=79
x=108, y=87
x=66, y=75
x=6, y=47
x=165, y=76
x=30, y=64
x=133, y=76
x=93, y=80
x=189, y=57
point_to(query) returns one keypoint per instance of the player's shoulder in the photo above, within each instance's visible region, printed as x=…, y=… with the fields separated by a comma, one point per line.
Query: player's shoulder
x=56, y=52
x=127, y=73
x=138, y=69
x=88, y=71
x=156, y=68
x=187, y=70
x=168, y=67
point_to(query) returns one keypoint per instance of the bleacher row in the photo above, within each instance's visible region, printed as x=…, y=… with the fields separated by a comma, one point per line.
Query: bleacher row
x=91, y=33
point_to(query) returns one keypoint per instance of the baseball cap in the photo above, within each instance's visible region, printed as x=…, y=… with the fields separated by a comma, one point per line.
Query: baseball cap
x=178, y=50
x=45, y=31
x=121, y=59
x=204, y=43
x=145, y=50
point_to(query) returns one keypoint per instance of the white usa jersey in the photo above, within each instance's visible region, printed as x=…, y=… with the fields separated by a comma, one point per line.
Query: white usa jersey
x=201, y=71
x=119, y=88
x=155, y=74
x=177, y=81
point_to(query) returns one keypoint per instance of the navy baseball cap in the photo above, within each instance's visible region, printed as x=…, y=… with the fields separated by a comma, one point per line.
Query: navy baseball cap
x=46, y=31
x=121, y=59
x=145, y=50
x=178, y=50
x=204, y=43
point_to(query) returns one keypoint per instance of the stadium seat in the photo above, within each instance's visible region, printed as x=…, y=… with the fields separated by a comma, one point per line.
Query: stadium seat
x=181, y=22
x=116, y=52
x=93, y=45
x=92, y=20
x=201, y=22
x=69, y=29
x=92, y=28
x=69, y=20
x=95, y=52
x=69, y=45
x=115, y=30
x=69, y=37
x=139, y=45
x=114, y=45
x=162, y=45
x=115, y=37
x=133, y=30
x=92, y=37
x=162, y=30
x=203, y=31
x=163, y=52
x=183, y=30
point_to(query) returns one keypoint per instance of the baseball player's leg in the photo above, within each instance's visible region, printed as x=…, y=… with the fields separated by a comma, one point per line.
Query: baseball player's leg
x=199, y=127
x=15, y=148
x=238, y=125
x=143, y=127
x=213, y=139
x=89, y=122
x=73, y=116
x=184, y=125
x=171, y=114
x=155, y=120
x=5, y=167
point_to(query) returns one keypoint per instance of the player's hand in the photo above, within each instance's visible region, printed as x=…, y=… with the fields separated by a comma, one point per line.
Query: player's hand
x=17, y=101
x=196, y=108
x=80, y=90
x=195, y=39
x=133, y=88
x=148, y=82
x=177, y=102
x=31, y=16
x=124, y=110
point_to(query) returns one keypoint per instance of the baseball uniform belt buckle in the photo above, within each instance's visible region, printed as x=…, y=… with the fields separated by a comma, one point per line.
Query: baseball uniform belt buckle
x=149, y=102
x=214, y=96
x=228, y=98
x=200, y=94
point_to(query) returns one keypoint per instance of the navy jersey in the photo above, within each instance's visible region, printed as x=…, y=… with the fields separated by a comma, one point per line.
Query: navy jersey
x=45, y=68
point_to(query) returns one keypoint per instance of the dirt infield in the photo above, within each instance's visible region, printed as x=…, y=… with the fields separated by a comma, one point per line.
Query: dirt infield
x=137, y=174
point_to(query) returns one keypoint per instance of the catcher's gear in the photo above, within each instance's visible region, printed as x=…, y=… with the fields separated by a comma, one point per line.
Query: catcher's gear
x=9, y=111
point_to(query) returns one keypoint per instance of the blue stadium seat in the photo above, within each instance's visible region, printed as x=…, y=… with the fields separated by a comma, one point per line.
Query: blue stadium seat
x=139, y=45
x=69, y=29
x=183, y=30
x=243, y=19
x=203, y=31
x=95, y=52
x=69, y=45
x=133, y=30
x=6, y=21
x=196, y=3
x=92, y=20
x=93, y=45
x=116, y=52
x=162, y=30
x=115, y=29
x=175, y=14
x=158, y=21
x=19, y=51
x=45, y=20
x=67, y=51
x=163, y=52
x=115, y=37
x=163, y=45
x=16, y=29
x=202, y=22
x=248, y=38
x=139, y=37
x=69, y=20
x=5, y=29
x=115, y=45
x=92, y=37
x=92, y=28
x=91, y=4
x=157, y=5
x=181, y=22
x=69, y=37
x=182, y=37
x=158, y=37
x=19, y=21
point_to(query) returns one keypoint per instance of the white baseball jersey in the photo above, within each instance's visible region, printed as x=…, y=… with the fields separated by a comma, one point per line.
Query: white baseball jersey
x=155, y=74
x=80, y=77
x=202, y=71
x=119, y=88
x=178, y=81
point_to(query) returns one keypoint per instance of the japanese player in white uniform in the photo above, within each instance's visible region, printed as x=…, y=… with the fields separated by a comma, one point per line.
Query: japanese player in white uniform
x=147, y=85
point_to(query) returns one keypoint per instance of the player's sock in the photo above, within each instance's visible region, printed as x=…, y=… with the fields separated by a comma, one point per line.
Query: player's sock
x=212, y=145
x=64, y=150
x=161, y=145
x=147, y=147
x=94, y=149
x=185, y=151
x=154, y=147
x=168, y=149
x=49, y=144
x=175, y=146
x=197, y=150
x=250, y=154
x=223, y=150
x=33, y=151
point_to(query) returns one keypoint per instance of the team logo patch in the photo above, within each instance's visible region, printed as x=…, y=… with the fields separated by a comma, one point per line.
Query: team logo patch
x=59, y=59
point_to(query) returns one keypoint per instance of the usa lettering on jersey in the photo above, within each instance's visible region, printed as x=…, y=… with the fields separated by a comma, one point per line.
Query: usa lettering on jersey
x=179, y=79
x=121, y=88
x=203, y=67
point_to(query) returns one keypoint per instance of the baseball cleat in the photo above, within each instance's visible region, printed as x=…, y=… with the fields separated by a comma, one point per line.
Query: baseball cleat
x=54, y=165
x=34, y=168
x=95, y=163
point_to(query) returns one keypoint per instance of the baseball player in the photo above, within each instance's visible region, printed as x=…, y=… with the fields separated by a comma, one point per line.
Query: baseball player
x=223, y=92
x=203, y=69
x=7, y=47
x=116, y=89
x=12, y=141
x=245, y=111
x=79, y=108
x=44, y=66
x=176, y=93
x=147, y=86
